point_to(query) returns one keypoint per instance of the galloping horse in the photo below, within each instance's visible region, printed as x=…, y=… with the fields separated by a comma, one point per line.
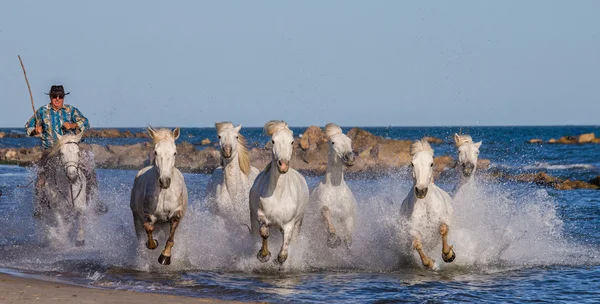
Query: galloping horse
x=332, y=196
x=227, y=190
x=279, y=195
x=468, y=152
x=427, y=207
x=65, y=188
x=159, y=193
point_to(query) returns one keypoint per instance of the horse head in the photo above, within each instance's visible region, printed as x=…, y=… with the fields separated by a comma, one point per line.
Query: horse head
x=283, y=144
x=228, y=138
x=164, y=153
x=340, y=145
x=468, y=152
x=422, y=167
x=69, y=154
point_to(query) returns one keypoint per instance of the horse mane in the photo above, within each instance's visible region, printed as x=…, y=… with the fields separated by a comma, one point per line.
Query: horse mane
x=462, y=139
x=243, y=156
x=161, y=134
x=332, y=129
x=274, y=126
x=61, y=141
x=420, y=146
x=223, y=125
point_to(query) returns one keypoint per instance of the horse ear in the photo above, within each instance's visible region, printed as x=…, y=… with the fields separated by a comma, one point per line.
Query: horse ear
x=79, y=136
x=238, y=128
x=456, y=138
x=151, y=131
x=478, y=144
x=176, y=133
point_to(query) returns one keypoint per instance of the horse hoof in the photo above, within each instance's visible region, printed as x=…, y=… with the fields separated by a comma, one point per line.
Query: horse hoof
x=333, y=240
x=152, y=248
x=265, y=258
x=449, y=260
x=164, y=260
x=279, y=260
x=79, y=243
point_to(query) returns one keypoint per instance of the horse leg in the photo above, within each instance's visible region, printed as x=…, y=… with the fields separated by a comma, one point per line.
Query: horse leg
x=349, y=224
x=80, y=235
x=149, y=221
x=165, y=255
x=263, y=254
x=333, y=240
x=286, y=232
x=427, y=262
x=447, y=253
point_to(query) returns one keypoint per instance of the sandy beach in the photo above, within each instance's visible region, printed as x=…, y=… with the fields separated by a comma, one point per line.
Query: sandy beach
x=17, y=289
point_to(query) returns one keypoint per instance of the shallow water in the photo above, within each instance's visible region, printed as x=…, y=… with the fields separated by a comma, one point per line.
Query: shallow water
x=515, y=242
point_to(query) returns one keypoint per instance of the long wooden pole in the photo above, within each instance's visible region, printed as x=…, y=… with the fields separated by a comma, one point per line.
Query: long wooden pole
x=29, y=88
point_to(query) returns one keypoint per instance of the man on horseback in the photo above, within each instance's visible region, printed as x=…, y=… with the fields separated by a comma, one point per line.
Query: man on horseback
x=59, y=118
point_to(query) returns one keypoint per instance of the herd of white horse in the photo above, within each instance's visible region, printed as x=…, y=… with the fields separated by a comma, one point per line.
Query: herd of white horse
x=276, y=197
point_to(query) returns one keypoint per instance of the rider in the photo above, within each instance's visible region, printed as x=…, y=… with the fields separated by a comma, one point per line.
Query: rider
x=59, y=118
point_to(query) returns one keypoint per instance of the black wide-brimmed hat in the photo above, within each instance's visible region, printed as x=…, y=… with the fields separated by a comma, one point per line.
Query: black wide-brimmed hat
x=57, y=90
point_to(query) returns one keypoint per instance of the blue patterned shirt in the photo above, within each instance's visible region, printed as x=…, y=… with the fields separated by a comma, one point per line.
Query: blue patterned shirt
x=52, y=122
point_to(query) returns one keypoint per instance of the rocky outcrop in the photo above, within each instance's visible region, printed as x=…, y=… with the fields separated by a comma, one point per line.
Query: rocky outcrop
x=113, y=133
x=374, y=154
x=543, y=178
x=312, y=137
x=581, y=139
x=595, y=181
x=433, y=140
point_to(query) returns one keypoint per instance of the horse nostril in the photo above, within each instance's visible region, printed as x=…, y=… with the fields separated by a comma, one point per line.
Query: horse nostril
x=279, y=163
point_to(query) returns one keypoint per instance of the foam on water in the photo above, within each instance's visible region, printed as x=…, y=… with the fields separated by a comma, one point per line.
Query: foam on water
x=547, y=166
x=497, y=227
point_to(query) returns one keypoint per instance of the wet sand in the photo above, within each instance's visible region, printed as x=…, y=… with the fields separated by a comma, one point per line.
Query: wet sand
x=18, y=289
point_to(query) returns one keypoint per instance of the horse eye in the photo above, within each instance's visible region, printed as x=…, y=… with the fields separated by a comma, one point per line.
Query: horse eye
x=175, y=153
x=155, y=153
x=237, y=137
x=432, y=165
x=292, y=142
x=333, y=143
x=412, y=165
x=219, y=136
x=272, y=141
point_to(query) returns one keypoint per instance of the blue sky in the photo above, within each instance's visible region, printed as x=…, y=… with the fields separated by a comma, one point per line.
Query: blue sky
x=355, y=63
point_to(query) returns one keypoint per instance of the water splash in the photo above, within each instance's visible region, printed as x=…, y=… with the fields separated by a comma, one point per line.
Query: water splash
x=497, y=227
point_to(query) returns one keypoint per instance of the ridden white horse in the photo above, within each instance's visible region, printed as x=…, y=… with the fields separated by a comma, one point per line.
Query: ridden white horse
x=65, y=188
x=159, y=194
x=468, y=152
x=279, y=195
x=229, y=185
x=332, y=196
x=427, y=207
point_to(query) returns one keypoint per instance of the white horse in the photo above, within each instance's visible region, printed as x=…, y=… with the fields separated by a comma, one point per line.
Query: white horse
x=159, y=193
x=468, y=152
x=279, y=195
x=427, y=207
x=332, y=196
x=65, y=187
x=227, y=190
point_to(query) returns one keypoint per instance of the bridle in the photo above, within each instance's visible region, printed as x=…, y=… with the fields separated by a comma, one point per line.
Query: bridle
x=70, y=164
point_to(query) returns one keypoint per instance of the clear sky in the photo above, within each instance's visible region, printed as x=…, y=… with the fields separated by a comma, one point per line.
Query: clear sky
x=355, y=63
